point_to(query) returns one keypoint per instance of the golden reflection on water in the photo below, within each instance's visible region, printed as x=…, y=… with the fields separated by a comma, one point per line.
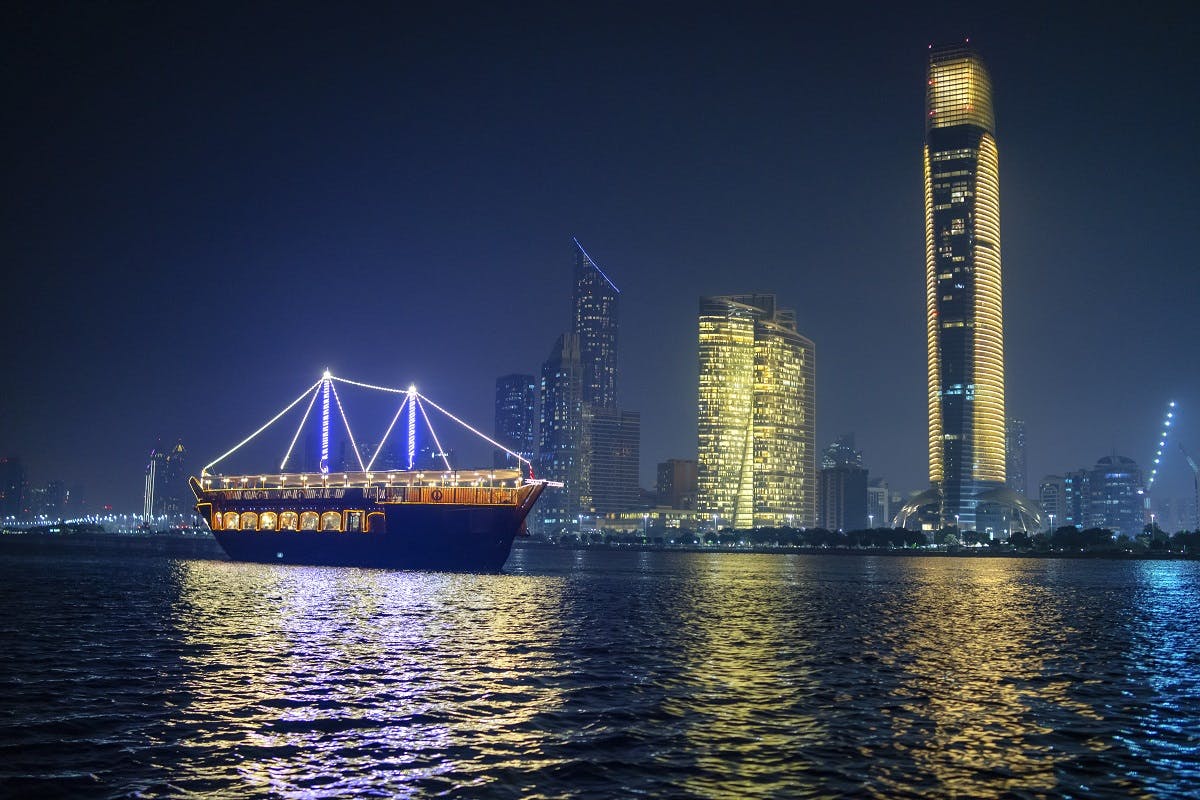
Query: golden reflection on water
x=743, y=714
x=330, y=680
x=975, y=645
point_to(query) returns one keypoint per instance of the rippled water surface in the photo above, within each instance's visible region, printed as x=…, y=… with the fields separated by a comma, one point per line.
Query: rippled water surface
x=601, y=674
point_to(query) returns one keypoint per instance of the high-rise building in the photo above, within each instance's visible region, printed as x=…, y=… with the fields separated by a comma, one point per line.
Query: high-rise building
x=594, y=314
x=1076, y=491
x=964, y=317
x=561, y=452
x=612, y=441
x=1115, y=496
x=1052, y=494
x=879, y=514
x=1014, y=455
x=757, y=415
x=516, y=418
x=165, y=490
x=842, y=501
x=841, y=453
x=677, y=483
x=176, y=498
x=151, y=498
x=12, y=487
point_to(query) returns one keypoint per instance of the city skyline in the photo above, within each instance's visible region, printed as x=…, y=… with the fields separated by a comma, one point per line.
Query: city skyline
x=130, y=200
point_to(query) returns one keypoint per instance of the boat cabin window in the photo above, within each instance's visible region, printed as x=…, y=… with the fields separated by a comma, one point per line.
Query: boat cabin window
x=331, y=521
x=249, y=521
x=376, y=522
x=308, y=521
x=288, y=521
x=354, y=521
x=230, y=521
x=267, y=521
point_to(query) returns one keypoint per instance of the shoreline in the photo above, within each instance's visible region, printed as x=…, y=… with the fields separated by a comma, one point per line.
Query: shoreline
x=201, y=544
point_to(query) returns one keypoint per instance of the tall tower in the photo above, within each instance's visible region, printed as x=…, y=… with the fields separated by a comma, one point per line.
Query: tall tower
x=965, y=325
x=594, y=315
x=756, y=422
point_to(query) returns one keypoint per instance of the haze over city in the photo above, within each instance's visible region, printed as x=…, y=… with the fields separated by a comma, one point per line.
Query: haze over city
x=207, y=207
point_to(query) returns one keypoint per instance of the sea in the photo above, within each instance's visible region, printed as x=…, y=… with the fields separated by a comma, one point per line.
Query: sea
x=599, y=674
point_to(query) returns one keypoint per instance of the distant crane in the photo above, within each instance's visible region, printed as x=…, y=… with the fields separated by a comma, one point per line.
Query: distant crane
x=1196, y=478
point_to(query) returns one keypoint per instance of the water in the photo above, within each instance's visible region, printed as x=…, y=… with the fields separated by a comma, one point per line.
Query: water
x=600, y=674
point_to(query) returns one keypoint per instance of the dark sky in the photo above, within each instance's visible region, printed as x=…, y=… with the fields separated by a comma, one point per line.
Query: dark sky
x=206, y=206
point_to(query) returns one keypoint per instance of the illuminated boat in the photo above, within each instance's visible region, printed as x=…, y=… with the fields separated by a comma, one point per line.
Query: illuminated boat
x=456, y=520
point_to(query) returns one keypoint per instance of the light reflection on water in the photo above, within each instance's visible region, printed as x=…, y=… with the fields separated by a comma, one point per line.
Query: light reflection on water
x=598, y=674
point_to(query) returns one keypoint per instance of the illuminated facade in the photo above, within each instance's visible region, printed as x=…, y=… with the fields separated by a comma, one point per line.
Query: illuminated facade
x=516, y=418
x=964, y=320
x=594, y=312
x=561, y=452
x=756, y=422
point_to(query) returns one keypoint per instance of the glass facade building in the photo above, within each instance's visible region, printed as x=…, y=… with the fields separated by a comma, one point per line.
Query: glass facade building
x=561, y=452
x=594, y=312
x=964, y=318
x=1014, y=454
x=516, y=418
x=756, y=421
x=612, y=441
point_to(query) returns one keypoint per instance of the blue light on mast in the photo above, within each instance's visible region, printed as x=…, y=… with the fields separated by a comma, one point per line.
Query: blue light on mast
x=412, y=426
x=325, y=424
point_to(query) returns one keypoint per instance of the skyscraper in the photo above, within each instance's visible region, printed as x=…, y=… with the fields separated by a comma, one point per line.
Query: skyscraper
x=1114, y=498
x=561, y=452
x=964, y=320
x=756, y=422
x=151, y=490
x=841, y=453
x=1014, y=455
x=612, y=440
x=516, y=418
x=842, y=498
x=12, y=487
x=594, y=315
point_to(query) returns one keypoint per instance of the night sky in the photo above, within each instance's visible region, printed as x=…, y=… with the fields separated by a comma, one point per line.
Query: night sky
x=206, y=207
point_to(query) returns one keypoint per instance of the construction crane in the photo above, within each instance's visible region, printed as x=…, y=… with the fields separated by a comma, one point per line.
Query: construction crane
x=1196, y=478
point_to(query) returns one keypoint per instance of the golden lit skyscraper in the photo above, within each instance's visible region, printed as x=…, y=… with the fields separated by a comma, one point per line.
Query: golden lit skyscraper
x=964, y=318
x=757, y=414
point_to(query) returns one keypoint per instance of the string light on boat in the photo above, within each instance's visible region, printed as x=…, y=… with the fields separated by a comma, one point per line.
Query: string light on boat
x=349, y=433
x=325, y=388
x=304, y=419
x=1162, y=442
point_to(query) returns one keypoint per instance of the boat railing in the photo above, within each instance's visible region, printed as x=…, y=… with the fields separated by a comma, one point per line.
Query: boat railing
x=457, y=495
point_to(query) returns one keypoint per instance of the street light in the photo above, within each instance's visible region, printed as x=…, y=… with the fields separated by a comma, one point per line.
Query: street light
x=645, y=524
x=1052, y=523
x=871, y=521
